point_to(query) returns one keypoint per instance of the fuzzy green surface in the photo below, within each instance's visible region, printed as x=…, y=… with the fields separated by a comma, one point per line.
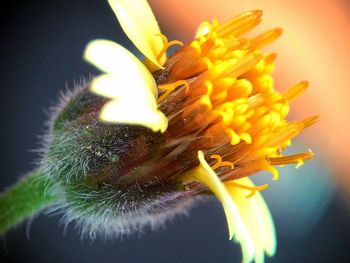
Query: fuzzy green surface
x=27, y=197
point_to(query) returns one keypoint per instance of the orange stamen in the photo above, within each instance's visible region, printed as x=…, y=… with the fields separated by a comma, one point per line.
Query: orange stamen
x=167, y=45
x=244, y=20
x=295, y=158
x=295, y=91
x=168, y=88
x=220, y=163
x=252, y=190
x=310, y=121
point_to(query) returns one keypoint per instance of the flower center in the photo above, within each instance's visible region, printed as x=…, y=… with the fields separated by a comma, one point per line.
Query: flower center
x=219, y=97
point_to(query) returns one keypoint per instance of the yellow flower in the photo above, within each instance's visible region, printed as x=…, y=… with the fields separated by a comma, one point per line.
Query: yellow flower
x=214, y=99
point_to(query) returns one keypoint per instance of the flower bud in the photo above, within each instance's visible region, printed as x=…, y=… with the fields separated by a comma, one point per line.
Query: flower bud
x=113, y=175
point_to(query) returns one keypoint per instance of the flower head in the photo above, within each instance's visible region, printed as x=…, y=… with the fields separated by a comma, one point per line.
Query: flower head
x=213, y=115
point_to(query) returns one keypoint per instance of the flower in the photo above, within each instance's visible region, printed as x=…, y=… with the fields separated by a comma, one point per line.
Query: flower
x=213, y=102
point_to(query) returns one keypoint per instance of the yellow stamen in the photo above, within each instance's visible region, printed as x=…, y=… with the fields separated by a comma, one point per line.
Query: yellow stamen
x=252, y=190
x=246, y=137
x=167, y=45
x=235, y=139
x=206, y=62
x=266, y=166
x=220, y=163
x=197, y=47
x=168, y=88
x=209, y=87
x=274, y=172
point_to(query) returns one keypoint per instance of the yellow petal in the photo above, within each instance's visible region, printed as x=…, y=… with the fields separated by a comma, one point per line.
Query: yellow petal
x=257, y=218
x=125, y=111
x=128, y=72
x=237, y=229
x=138, y=22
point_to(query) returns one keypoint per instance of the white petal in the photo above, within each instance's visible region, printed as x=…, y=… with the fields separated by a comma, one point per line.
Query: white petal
x=113, y=86
x=138, y=22
x=128, y=72
x=257, y=218
x=107, y=86
x=125, y=111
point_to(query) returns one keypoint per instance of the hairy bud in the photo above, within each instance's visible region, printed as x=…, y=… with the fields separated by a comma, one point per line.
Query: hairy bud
x=112, y=183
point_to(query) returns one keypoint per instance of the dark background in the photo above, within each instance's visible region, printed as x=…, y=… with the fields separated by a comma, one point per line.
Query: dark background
x=41, y=46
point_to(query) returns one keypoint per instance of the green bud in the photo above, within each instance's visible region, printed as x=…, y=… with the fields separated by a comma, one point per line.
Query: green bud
x=116, y=178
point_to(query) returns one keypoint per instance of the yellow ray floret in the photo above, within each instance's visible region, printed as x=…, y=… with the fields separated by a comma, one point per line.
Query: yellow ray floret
x=256, y=217
x=128, y=83
x=139, y=24
x=237, y=228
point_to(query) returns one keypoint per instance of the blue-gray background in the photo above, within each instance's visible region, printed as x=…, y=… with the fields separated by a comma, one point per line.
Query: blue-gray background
x=40, y=54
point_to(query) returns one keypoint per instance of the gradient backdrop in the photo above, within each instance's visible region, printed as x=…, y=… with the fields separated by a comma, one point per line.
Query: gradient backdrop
x=41, y=50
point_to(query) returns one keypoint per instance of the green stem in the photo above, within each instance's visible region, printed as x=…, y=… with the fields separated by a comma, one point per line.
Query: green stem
x=27, y=197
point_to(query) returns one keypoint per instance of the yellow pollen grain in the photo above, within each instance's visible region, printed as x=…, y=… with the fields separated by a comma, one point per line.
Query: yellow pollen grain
x=246, y=137
x=219, y=98
x=205, y=100
x=241, y=109
x=235, y=138
x=207, y=62
x=209, y=85
x=197, y=47
x=226, y=115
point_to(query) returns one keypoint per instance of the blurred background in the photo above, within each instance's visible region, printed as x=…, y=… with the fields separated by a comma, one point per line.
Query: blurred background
x=41, y=50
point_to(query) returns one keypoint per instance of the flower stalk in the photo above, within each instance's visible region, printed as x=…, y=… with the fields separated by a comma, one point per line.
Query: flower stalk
x=26, y=198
